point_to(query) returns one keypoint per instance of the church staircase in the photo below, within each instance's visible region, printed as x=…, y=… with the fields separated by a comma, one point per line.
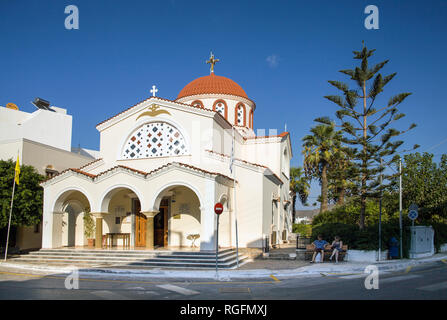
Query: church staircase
x=132, y=258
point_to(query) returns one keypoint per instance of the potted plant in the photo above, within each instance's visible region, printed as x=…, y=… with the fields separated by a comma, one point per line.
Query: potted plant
x=89, y=228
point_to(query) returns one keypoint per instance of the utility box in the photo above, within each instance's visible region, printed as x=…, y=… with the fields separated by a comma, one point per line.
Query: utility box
x=422, y=241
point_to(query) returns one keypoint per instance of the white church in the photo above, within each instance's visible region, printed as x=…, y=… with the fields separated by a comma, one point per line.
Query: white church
x=162, y=167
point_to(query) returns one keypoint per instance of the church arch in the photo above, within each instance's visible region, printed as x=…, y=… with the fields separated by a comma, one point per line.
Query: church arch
x=251, y=118
x=198, y=104
x=178, y=217
x=239, y=115
x=221, y=107
x=67, y=218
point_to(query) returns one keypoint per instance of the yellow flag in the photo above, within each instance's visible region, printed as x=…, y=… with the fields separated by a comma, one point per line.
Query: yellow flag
x=16, y=178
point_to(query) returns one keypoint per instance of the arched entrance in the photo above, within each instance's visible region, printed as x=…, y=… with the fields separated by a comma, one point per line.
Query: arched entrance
x=177, y=223
x=124, y=225
x=68, y=219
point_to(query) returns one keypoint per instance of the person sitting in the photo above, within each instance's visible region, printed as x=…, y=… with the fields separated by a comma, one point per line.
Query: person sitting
x=319, y=248
x=337, y=246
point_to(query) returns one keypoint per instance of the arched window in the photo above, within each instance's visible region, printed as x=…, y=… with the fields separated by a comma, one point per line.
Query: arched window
x=198, y=104
x=240, y=115
x=154, y=139
x=251, y=119
x=221, y=107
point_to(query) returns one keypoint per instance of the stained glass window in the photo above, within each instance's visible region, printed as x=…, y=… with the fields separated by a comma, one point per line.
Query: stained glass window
x=220, y=107
x=240, y=115
x=155, y=139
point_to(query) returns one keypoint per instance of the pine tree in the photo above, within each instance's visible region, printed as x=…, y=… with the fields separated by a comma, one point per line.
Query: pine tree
x=367, y=128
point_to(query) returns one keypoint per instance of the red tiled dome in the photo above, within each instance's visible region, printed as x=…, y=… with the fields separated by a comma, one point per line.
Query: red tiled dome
x=212, y=84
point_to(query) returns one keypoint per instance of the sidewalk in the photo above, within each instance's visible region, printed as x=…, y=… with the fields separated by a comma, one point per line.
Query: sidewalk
x=255, y=269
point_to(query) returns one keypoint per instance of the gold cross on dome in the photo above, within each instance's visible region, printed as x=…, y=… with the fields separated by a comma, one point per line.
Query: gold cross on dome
x=212, y=61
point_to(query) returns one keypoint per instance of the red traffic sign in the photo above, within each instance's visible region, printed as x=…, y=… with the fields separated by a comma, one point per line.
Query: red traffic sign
x=218, y=208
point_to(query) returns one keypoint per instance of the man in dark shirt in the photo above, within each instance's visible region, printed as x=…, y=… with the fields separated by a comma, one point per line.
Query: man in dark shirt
x=319, y=248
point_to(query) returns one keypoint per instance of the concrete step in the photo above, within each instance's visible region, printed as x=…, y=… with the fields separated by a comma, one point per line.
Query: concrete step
x=124, y=259
x=168, y=259
x=196, y=255
x=134, y=252
x=143, y=263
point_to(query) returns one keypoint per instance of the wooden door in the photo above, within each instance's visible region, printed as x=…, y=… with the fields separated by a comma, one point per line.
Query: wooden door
x=140, y=226
x=161, y=227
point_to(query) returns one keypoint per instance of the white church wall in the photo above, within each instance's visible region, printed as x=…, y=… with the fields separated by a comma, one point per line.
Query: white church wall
x=249, y=202
x=266, y=153
x=184, y=218
x=270, y=208
x=224, y=194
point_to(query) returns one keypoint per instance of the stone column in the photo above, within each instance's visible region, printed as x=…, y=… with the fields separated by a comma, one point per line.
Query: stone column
x=57, y=229
x=150, y=228
x=208, y=219
x=98, y=229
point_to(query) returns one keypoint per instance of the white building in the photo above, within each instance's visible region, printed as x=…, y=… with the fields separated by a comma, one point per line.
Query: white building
x=42, y=139
x=162, y=167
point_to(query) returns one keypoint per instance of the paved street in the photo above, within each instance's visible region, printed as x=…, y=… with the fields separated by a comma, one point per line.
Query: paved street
x=427, y=281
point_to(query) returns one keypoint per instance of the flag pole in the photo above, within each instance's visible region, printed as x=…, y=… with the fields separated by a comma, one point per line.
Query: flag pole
x=10, y=212
x=234, y=199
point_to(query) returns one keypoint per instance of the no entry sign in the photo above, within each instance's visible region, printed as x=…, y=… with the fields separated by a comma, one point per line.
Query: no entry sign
x=218, y=208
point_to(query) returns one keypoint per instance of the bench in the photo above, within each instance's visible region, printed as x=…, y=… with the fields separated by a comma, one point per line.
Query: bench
x=327, y=252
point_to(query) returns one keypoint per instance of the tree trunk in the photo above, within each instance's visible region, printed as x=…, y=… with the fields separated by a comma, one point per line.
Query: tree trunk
x=324, y=186
x=364, y=164
x=341, y=196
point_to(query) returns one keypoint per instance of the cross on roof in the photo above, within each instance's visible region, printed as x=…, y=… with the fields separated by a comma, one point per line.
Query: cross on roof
x=154, y=90
x=212, y=61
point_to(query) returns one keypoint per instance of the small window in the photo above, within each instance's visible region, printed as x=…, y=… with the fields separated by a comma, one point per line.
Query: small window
x=198, y=104
x=117, y=220
x=37, y=228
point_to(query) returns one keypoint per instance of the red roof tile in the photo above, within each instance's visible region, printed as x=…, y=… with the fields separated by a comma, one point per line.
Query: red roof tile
x=212, y=84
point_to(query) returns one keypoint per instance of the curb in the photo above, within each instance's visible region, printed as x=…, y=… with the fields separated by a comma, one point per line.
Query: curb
x=226, y=275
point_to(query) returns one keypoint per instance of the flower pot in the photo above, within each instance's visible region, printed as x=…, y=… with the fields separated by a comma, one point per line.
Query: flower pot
x=91, y=243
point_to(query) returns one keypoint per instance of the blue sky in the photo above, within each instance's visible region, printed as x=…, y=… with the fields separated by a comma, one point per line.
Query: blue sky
x=281, y=52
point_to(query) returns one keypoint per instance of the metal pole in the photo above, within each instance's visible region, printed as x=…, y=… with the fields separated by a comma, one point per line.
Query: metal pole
x=234, y=203
x=380, y=213
x=400, y=206
x=217, y=242
x=10, y=214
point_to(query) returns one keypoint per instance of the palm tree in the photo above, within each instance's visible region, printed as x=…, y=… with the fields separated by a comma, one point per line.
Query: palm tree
x=299, y=186
x=319, y=150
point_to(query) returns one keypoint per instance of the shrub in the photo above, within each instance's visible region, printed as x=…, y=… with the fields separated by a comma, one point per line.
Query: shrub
x=366, y=239
x=305, y=230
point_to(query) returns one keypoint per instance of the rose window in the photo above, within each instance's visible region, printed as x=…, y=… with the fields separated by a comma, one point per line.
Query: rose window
x=155, y=139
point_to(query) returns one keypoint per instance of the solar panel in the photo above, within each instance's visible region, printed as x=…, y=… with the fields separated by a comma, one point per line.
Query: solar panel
x=42, y=104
